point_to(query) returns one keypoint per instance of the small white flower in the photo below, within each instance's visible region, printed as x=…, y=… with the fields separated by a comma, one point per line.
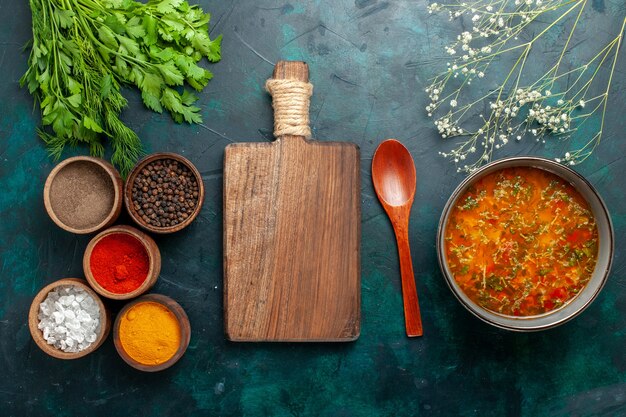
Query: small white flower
x=453, y=103
x=548, y=93
x=433, y=8
x=581, y=103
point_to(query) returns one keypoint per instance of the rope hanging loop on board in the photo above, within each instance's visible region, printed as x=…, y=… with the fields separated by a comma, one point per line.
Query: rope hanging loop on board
x=290, y=99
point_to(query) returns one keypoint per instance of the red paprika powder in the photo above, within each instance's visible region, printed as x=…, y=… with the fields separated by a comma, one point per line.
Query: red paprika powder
x=120, y=263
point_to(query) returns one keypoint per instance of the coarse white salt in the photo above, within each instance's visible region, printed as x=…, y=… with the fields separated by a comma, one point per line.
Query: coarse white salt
x=69, y=319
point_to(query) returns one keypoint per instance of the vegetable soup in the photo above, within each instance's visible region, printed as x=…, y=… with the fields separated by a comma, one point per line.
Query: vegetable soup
x=521, y=241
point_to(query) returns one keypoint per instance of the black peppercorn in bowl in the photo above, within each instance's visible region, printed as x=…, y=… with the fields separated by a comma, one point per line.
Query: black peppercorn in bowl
x=164, y=193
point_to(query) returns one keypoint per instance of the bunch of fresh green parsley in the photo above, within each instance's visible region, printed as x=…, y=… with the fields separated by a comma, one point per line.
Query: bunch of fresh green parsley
x=83, y=51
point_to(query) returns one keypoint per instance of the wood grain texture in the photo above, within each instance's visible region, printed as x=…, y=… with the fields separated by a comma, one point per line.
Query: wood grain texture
x=292, y=238
x=412, y=314
x=394, y=179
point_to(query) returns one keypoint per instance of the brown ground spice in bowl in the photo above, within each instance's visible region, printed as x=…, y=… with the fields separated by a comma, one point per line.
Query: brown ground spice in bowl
x=82, y=195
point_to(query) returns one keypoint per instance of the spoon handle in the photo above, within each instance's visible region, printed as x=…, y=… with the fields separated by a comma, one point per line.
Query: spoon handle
x=412, y=316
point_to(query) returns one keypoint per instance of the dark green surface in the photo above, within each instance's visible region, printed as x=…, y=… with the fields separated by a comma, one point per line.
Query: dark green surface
x=369, y=61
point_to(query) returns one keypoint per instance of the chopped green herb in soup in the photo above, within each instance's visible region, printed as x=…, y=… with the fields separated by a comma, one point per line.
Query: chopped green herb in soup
x=521, y=242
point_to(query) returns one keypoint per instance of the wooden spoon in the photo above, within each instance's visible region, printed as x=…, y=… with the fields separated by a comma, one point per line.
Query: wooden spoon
x=393, y=174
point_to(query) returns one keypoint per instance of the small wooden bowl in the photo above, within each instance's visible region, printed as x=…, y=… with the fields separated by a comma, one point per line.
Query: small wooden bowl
x=33, y=320
x=183, y=322
x=116, y=183
x=128, y=192
x=154, y=255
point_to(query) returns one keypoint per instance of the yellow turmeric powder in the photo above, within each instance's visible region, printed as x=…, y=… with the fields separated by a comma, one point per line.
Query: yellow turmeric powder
x=149, y=333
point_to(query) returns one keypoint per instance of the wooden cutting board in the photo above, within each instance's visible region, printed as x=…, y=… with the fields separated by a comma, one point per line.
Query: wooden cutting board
x=292, y=226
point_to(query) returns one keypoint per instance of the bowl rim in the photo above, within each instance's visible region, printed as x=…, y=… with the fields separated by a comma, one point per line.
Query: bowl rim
x=128, y=192
x=504, y=321
x=37, y=335
x=116, y=181
x=151, y=248
x=184, y=326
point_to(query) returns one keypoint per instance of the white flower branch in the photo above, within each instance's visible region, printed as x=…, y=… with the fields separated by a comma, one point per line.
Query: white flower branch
x=516, y=107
